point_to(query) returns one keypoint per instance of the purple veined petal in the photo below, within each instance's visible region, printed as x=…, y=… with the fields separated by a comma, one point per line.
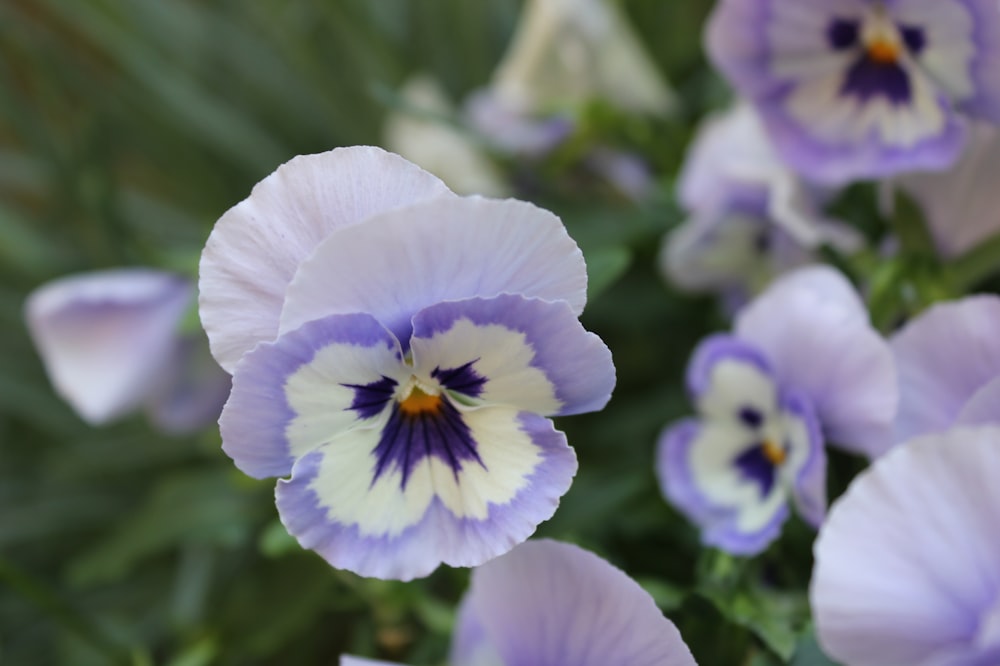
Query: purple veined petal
x=944, y=356
x=960, y=204
x=983, y=408
x=191, y=388
x=402, y=261
x=525, y=353
x=309, y=386
x=104, y=337
x=365, y=518
x=907, y=562
x=813, y=328
x=257, y=245
x=547, y=602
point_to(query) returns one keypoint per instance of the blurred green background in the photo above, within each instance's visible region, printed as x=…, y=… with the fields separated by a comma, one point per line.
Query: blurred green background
x=126, y=129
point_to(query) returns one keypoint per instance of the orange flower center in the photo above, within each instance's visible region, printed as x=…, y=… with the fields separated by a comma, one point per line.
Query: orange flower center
x=419, y=402
x=774, y=453
x=883, y=51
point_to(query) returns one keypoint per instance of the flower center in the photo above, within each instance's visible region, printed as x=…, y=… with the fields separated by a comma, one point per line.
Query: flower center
x=420, y=402
x=774, y=453
x=884, y=51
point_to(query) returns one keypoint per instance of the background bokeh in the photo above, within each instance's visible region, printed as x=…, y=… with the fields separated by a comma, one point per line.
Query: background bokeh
x=126, y=130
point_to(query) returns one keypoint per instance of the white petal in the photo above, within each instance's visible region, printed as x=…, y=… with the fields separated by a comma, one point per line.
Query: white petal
x=105, y=336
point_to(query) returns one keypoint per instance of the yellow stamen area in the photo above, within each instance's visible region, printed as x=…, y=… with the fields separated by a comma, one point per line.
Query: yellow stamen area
x=883, y=51
x=419, y=402
x=774, y=453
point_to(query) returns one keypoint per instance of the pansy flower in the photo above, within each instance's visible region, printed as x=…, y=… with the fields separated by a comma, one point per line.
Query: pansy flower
x=802, y=367
x=949, y=366
x=907, y=568
x=415, y=356
x=960, y=205
x=852, y=89
x=752, y=217
x=548, y=603
x=111, y=345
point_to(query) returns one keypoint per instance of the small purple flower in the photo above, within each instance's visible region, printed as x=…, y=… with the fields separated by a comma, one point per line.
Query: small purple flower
x=804, y=364
x=110, y=344
x=960, y=205
x=853, y=89
x=908, y=563
x=752, y=218
x=415, y=358
x=548, y=603
x=949, y=367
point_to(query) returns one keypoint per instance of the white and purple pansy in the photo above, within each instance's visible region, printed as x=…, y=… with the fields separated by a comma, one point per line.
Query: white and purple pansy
x=548, y=603
x=853, y=89
x=405, y=395
x=803, y=366
x=756, y=445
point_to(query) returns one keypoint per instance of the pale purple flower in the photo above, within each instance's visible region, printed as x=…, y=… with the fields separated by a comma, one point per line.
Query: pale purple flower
x=565, y=53
x=415, y=356
x=948, y=359
x=549, y=604
x=111, y=345
x=853, y=89
x=907, y=568
x=421, y=132
x=803, y=366
x=752, y=218
x=962, y=205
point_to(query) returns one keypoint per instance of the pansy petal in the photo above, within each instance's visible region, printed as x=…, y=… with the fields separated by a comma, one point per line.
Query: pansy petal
x=983, y=408
x=191, y=390
x=307, y=387
x=906, y=564
x=814, y=330
x=695, y=466
x=944, y=357
x=960, y=204
x=525, y=353
x=470, y=644
x=400, y=262
x=547, y=602
x=104, y=337
x=734, y=369
x=378, y=524
x=257, y=245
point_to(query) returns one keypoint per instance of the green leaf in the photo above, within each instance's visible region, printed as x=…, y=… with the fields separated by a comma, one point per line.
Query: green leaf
x=604, y=267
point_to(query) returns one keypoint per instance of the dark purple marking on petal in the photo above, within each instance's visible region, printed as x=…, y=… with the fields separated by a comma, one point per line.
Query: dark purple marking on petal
x=843, y=33
x=757, y=467
x=751, y=417
x=915, y=38
x=409, y=437
x=371, y=399
x=462, y=379
x=868, y=78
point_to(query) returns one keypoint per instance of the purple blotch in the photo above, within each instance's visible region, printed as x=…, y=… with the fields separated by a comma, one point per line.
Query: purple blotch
x=914, y=38
x=868, y=78
x=462, y=379
x=370, y=399
x=751, y=417
x=754, y=465
x=409, y=438
x=843, y=33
